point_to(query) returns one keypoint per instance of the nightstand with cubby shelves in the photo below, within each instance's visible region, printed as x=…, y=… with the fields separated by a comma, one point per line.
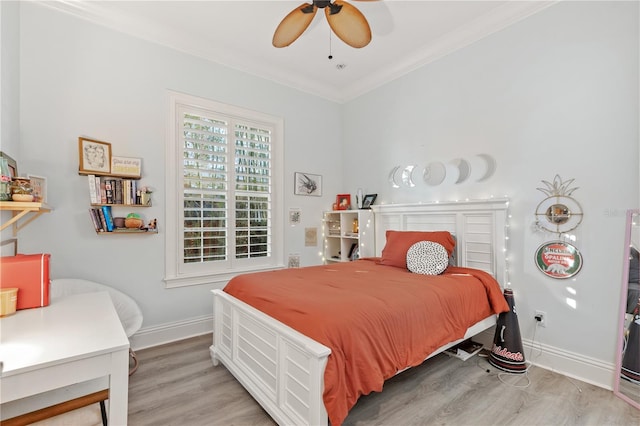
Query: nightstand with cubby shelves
x=348, y=235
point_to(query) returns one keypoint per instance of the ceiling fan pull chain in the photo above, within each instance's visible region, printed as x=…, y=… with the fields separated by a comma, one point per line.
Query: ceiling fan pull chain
x=330, y=55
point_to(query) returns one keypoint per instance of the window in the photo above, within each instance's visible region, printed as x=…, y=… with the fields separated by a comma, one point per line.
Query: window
x=223, y=183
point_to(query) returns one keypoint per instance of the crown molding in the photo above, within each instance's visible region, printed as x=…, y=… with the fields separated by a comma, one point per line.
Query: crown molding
x=499, y=18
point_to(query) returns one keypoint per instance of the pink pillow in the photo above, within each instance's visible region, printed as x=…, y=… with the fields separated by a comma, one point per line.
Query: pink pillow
x=399, y=242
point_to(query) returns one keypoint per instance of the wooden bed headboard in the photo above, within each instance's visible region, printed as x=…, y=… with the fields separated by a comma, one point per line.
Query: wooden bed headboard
x=479, y=227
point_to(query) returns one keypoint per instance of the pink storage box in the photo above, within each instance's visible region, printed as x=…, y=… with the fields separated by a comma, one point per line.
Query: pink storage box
x=30, y=274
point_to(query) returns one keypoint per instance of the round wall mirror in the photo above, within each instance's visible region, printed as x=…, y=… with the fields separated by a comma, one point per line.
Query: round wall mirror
x=558, y=214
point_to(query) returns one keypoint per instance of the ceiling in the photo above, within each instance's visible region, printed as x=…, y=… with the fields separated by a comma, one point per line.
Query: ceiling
x=406, y=35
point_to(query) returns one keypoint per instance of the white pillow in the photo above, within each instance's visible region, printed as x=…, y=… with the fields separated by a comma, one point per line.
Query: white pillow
x=427, y=258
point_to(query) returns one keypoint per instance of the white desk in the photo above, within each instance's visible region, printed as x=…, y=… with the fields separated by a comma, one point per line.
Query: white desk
x=73, y=340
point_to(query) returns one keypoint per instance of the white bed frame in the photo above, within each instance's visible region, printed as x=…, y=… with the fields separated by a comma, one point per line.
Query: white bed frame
x=284, y=369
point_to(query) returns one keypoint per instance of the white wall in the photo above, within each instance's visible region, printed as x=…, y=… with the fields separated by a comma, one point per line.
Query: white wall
x=9, y=93
x=9, y=77
x=554, y=94
x=77, y=79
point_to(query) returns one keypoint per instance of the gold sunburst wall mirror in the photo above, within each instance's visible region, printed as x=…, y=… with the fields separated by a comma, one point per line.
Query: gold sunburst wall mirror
x=559, y=212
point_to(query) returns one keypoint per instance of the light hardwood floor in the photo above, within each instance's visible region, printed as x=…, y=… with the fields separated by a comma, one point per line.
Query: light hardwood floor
x=176, y=384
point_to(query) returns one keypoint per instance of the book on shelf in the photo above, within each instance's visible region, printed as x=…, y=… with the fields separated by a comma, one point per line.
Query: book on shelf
x=95, y=218
x=118, y=192
x=108, y=187
x=464, y=350
x=108, y=217
x=103, y=220
x=104, y=190
x=93, y=193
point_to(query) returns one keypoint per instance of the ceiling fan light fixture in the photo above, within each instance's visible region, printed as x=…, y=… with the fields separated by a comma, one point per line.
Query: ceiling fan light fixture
x=349, y=24
x=293, y=25
x=345, y=20
x=308, y=8
x=334, y=8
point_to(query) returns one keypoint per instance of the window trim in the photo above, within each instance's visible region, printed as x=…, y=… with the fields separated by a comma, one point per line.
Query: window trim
x=173, y=157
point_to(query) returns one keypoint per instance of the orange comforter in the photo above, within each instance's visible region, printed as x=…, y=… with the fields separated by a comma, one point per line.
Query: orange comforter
x=376, y=319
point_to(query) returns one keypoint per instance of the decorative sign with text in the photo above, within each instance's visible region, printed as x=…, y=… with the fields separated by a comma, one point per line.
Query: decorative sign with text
x=126, y=166
x=558, y=259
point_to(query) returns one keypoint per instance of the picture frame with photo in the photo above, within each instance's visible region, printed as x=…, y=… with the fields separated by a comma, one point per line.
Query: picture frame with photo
x=13, y=166
x=343, y=201
x=39, y=186
x=94, y=156
x=307, y=184
x=368, y=200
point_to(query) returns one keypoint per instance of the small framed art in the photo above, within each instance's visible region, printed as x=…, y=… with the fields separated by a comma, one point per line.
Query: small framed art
x=13, y=166
x=343, y=201
x=368, y=200
x=307, y=184
x=39, y=186
x=95, y=156
x=126, y=166
x=295, y=216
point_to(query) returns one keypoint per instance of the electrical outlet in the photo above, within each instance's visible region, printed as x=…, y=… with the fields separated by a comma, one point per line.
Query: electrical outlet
x=542, y=315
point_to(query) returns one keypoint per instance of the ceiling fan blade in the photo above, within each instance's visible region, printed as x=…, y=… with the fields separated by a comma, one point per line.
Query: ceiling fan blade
x=294, y=24
x=349, y=24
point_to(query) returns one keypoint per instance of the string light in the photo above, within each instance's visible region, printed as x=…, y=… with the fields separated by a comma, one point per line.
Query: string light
x=506, y=247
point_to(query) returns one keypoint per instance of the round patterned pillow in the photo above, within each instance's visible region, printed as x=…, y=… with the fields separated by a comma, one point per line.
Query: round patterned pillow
x=427, y=258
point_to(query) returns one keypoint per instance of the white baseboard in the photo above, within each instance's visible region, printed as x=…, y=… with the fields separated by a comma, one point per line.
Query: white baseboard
x=570, y=364
x=147, y=337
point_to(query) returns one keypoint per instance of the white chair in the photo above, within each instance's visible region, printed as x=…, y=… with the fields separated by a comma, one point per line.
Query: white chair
x=128, y=311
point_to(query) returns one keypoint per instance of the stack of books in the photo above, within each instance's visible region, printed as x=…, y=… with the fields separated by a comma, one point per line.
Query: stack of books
x=106, y=190
x=102, y=219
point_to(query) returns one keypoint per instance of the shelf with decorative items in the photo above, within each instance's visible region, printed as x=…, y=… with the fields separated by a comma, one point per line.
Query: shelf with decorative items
x=114, y=185
x=348, y=235
x=24, y=197
x=106, y=221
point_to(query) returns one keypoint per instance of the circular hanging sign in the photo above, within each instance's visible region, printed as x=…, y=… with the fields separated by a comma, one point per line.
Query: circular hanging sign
x=558, y=259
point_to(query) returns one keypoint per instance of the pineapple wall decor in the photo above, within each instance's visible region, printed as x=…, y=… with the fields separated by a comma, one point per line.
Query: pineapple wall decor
x=559, y=212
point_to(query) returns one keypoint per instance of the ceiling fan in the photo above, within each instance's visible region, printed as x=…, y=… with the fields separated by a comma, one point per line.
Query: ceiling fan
x=345, y=20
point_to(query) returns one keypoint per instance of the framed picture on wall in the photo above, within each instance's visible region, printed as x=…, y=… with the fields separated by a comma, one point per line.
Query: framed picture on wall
x=39, y=186
x=95, y=156
x=126, y=166
x=13, y=166
x=307, y=184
